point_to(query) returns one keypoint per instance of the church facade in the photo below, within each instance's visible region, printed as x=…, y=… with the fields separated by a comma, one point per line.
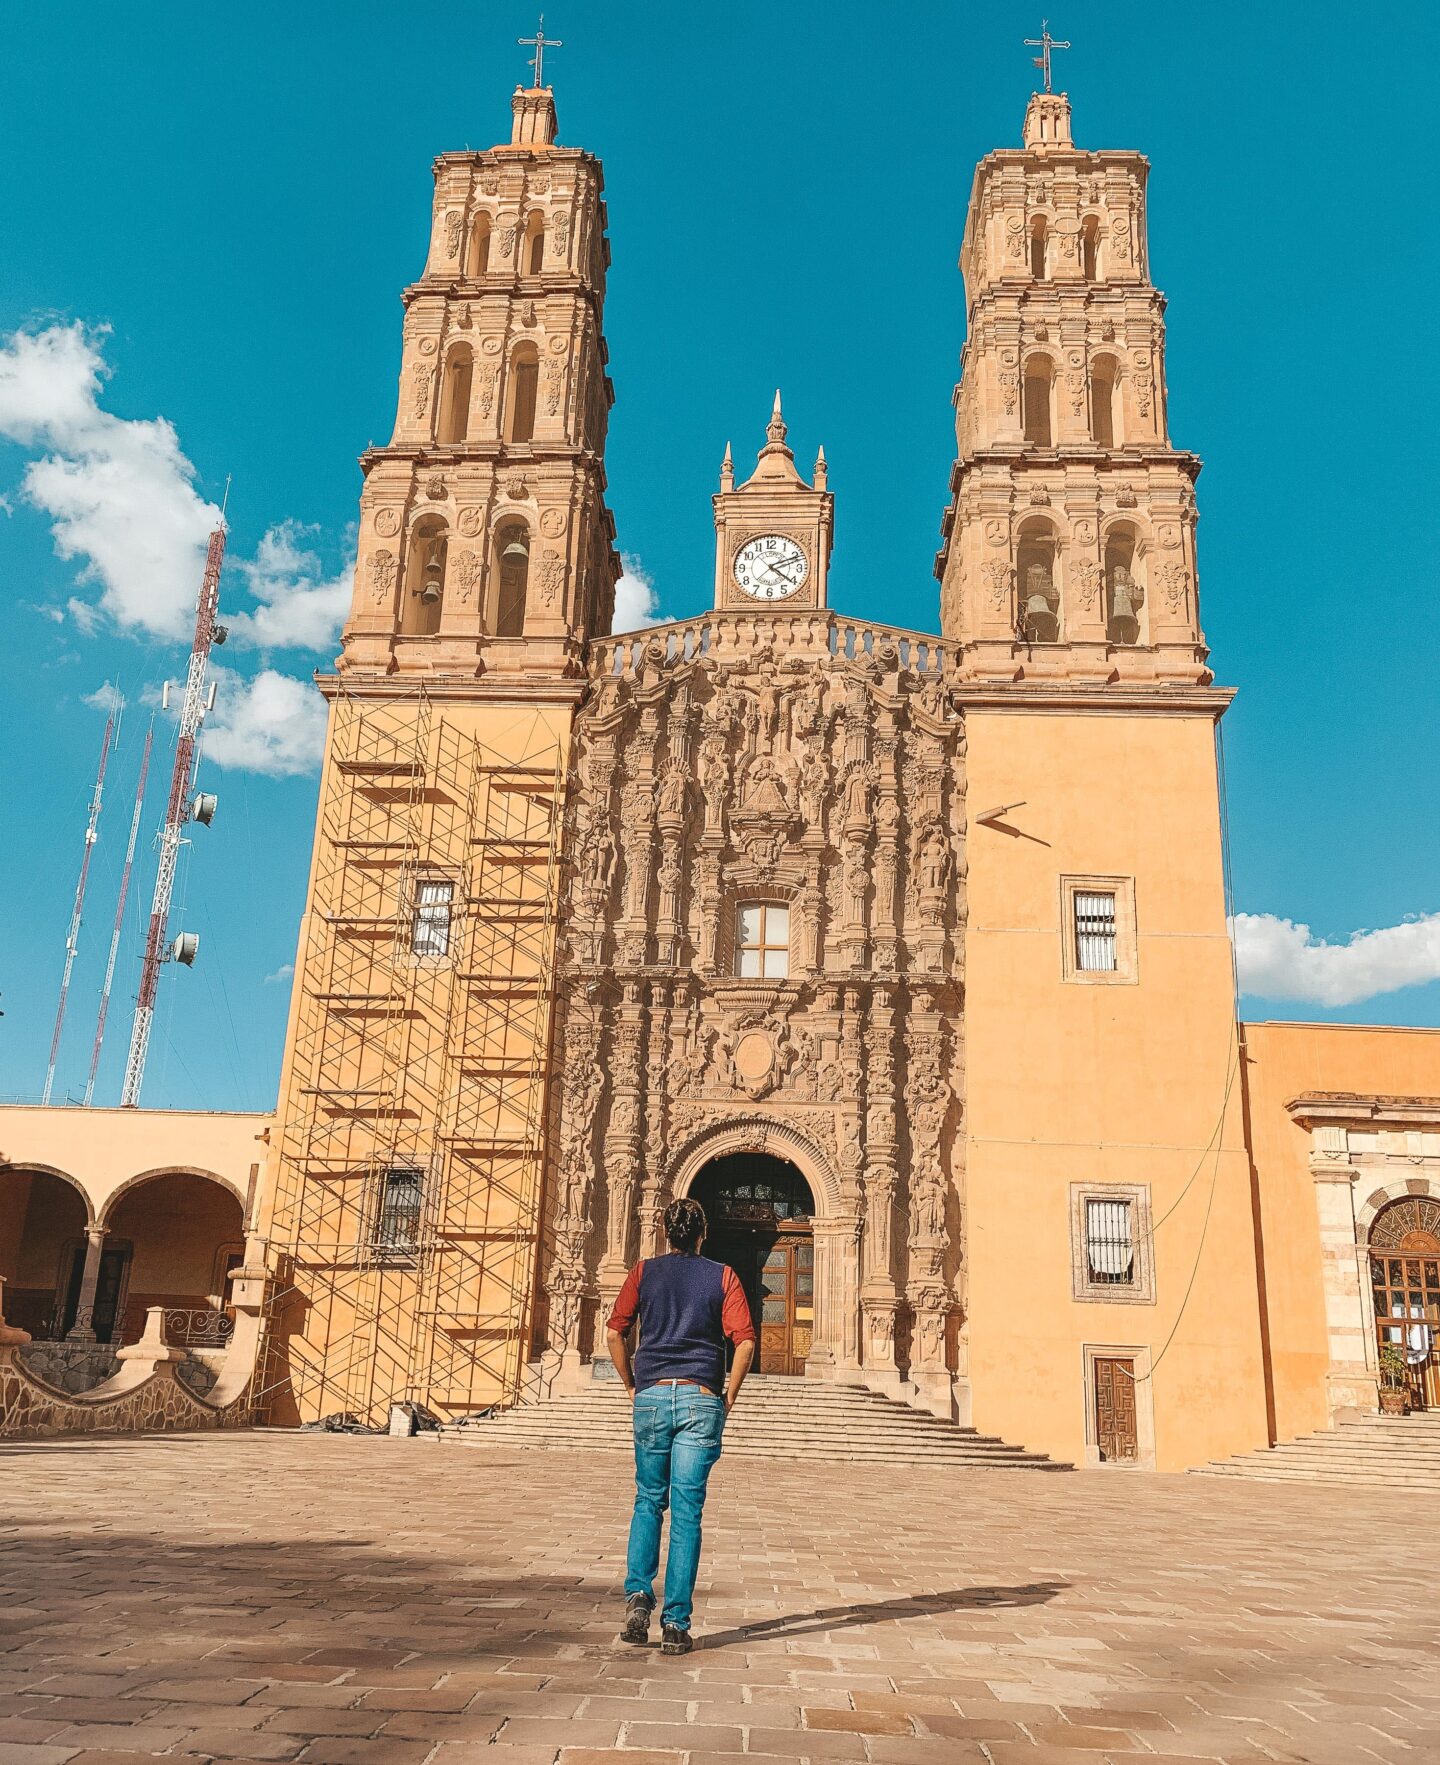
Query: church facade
x=905, y=952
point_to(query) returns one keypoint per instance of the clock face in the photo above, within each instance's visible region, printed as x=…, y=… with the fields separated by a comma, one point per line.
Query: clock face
x=770, y=568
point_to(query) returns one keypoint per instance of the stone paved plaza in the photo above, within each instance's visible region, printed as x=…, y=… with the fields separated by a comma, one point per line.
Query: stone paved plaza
x=343, y=1601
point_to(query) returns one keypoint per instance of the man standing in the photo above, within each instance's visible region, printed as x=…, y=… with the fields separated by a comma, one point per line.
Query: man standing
x=687, y=1306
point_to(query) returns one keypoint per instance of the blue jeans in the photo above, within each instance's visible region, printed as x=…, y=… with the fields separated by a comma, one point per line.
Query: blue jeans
x=678, y=1430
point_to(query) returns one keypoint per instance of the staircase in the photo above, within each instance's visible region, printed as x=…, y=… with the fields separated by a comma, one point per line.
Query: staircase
x=1397, y=1452
x=775, y=1419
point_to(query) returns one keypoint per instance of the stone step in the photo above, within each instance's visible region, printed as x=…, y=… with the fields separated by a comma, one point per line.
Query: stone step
x=778, y=1418
x=1400, y=1452
x=775, y=1449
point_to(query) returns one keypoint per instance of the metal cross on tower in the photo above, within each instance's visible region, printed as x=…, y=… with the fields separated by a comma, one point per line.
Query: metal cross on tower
x=1044, y=43
x=539, y=43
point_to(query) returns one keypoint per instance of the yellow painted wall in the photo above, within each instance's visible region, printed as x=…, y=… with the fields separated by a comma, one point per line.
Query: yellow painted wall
x=1069, y=1082
x=1283, y=1061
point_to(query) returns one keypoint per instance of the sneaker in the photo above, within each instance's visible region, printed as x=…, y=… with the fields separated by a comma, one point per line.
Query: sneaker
x=638, y=1608
x=674, y=1641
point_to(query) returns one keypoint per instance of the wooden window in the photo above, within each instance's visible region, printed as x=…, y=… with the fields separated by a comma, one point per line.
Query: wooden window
x=762, y=940
x=1111, y=1243
x=1097, y=930
x=1117, y=1435
x=1102, y=400
x=535, y=245
x=455, y=397
x=1094, y=919
x=397, y=1225
x=430, y=920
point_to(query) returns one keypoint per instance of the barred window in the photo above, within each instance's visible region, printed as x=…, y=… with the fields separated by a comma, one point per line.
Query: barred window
x=430, y=922
x=1094, y=932
x=762, y=939
x=1110, y=1242
x=398, y=1228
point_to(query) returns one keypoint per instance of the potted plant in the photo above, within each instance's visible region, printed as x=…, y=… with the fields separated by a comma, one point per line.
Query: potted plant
x=1394, y=1381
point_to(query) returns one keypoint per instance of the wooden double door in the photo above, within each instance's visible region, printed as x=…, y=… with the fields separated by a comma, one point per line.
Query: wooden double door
x=777, y=1270
x=1406, y=1289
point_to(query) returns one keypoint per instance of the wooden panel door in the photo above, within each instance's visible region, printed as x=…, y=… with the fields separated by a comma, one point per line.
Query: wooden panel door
x=1116, y=1435
x=787, y=1304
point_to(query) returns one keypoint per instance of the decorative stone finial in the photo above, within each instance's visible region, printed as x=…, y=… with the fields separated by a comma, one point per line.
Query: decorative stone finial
x=775, y=428
x=1047, y=122
x=727, y=470
x=822, y=470
x=532, y=113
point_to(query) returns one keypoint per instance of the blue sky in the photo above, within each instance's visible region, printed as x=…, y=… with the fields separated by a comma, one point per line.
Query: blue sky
x=229, y=200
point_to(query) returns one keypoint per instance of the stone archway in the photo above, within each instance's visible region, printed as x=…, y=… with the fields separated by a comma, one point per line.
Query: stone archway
x=759, y=1209
x=44, y=1217
x=834, y=1347
x=1402, y=1236
x=182, y=1232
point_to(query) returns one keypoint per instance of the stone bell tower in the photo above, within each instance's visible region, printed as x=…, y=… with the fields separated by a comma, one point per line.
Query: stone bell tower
x=1068, y=548
x=409, y=1151
x=774, y=532
x=485, y=543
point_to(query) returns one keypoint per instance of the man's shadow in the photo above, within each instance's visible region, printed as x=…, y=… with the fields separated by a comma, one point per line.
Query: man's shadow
x=915, y=1605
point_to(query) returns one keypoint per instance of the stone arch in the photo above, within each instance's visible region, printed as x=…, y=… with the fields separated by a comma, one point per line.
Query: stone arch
x=764, y=1134
x=25, y=1167
x=168, y=1170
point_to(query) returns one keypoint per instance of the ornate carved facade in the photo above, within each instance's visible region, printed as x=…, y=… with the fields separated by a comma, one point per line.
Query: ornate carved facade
x=786, y=760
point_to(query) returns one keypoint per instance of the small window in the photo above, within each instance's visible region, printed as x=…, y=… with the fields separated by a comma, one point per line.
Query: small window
x=1109, y=1243
x=1111, y=1247
x=430, y=922
x=1098, y=942
x=762, y=940
x=397, y=1230
x=1094, y=932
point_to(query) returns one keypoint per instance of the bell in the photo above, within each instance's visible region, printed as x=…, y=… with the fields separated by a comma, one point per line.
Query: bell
x=430, y=592
x=1124, y=595
x=516, y=552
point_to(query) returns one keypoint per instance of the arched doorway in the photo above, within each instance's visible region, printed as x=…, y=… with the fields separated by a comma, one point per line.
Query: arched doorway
x=183, y=1233
x=1405, y=1285
x=42, y=1250
x=760, y=1209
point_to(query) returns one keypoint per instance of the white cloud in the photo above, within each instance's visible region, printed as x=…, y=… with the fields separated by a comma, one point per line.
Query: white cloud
x=107, y=697
x=273, y=724
x=118, y=491
x=284, y=973
x=298, y=608
x=636, y=602
x=1278, y=959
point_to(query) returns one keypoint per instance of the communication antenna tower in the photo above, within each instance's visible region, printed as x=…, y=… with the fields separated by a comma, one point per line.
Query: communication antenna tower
x=120, y=912
x=178, y=811
x=72, y=937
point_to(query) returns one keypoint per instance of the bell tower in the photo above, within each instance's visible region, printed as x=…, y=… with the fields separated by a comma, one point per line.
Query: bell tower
x=1068, y=548
x=773, y=533
x=485, y=543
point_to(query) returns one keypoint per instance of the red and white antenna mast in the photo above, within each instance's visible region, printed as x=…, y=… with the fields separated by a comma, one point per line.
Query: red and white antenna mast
x=178, y=811
x=120, y=912
x=72, y=937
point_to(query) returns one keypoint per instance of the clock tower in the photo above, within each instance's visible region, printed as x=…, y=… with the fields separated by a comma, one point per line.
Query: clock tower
x=773, y=533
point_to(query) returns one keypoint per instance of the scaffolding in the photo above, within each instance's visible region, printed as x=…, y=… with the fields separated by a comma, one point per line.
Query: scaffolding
x=434, y=1066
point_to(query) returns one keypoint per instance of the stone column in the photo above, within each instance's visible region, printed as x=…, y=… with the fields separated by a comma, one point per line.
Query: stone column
x=1351, y=1384
x=83, y=1329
